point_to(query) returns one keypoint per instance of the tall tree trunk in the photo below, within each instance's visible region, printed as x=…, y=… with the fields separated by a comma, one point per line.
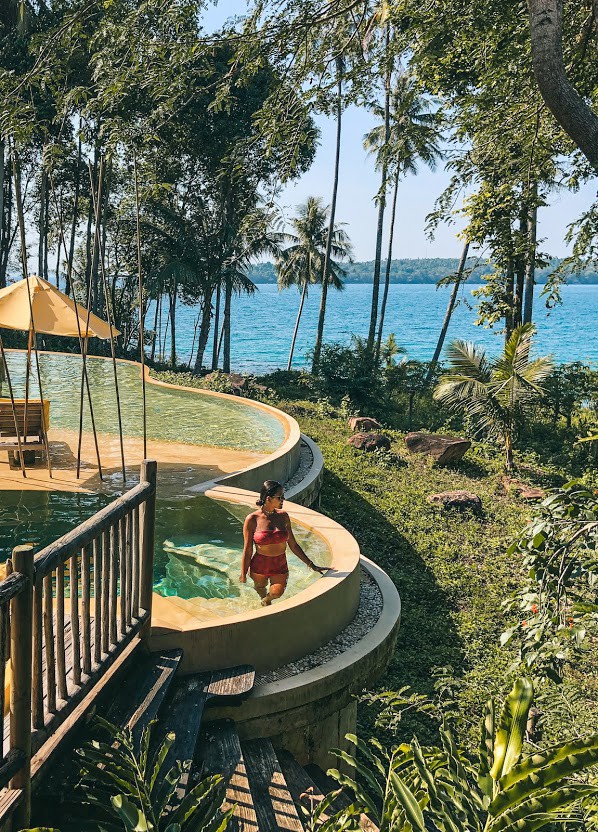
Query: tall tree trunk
x=530, y=256
x=509, y=299
x=569, y=108
x=7, y=235
x=204, y=333
x=71, y=252
x=449, y=312
x=173, y=296
x=16, y=167
x=2, y=277
x=388, y=266
x=42, y=223
x=322, y=313
x=58, y=253
x=155, y=335
x=302, y=301
x=45, y=273
x=226, y=323
x=381, y=204
x=520, y=274
x=216, y=329
x=97, y=185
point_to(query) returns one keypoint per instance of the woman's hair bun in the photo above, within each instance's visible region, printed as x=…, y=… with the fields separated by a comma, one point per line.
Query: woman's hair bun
x=259, y=502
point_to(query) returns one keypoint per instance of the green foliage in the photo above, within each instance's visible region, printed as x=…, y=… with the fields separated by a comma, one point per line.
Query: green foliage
x=444, y=789
x=130, y=788
x=497, y=394
x=557, y=603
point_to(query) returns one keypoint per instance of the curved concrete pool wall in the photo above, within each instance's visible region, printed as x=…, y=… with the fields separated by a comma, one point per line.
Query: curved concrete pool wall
x=270, y=637
x=280, y=465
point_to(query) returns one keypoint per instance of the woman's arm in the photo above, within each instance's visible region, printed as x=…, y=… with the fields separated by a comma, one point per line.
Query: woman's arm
x=297, y=550
x=248, y=530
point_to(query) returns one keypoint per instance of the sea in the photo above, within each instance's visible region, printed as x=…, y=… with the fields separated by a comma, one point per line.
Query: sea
x=262, y=324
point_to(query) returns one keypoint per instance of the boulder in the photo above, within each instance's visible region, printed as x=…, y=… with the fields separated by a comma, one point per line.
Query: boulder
x=459, y=500
x=369, y=442
x=363, y=424
x=526, y=492
x=443, y=449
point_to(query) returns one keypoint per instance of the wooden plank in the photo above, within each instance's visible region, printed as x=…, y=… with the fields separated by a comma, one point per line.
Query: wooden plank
x=97, y=597
x=49, y=645
x=10, y=799
x=74, y=597
x=11, y=586
x=136, y=562
x=4, y=616
x=37, y=689
x=233, y=683
x=122, y=561
x=105, y=591
x=128, y=589
x=86, y=610
x=113, y=583
x=183, y=712
x=60, y=634
x=220, y=753
x=272, y=800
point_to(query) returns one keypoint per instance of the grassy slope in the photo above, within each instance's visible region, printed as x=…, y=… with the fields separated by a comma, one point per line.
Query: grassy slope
x=452, y=571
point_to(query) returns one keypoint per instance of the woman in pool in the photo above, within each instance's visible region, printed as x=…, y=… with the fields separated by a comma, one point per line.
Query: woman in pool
x=269, y=529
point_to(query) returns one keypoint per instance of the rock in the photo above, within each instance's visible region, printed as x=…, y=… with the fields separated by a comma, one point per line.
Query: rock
x=369, y=442
x=363, y=424
x=459, y=500
x=526, y=492
x=443, y=449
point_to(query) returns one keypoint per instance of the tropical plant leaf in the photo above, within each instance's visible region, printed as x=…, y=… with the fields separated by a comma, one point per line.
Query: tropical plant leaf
x=132, y=817
x=511, y=729
x=547, y=802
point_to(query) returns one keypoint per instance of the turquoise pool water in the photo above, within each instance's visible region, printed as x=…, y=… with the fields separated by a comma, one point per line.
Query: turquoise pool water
x=199, y=542
x=172, y=415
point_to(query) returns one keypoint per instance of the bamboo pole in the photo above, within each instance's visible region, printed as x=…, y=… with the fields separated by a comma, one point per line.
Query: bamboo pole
x=81, y=345
x=141, y=310
x=21, y=607
x=96, y=203
x=14, y=409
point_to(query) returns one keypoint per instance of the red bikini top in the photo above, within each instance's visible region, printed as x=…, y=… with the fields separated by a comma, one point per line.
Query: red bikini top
x=269, y=536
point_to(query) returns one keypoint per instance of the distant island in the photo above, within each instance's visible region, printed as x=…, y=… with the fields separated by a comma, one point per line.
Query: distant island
x=423, y=270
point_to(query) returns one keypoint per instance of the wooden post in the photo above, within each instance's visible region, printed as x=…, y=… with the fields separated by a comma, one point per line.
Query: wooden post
x=20, y=690
x=147, y=522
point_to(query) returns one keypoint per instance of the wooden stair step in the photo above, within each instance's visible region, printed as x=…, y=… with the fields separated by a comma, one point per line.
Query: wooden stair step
x=303, y=789
x=233, y=683
x=272, y=800
x=220, y=753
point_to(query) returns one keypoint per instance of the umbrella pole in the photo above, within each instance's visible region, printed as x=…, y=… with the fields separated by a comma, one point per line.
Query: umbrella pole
x=141, y=315
x=27, y=375
x=14, y=409
x=33, y=340
x=97, y=242
x=81, y=347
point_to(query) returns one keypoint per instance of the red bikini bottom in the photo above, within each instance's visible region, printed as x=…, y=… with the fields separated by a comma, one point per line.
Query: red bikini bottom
x=269, y=565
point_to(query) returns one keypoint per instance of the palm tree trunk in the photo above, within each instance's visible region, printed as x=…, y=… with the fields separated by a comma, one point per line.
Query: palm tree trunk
x=388, y=266
x=322, y=314
x=45, y=274
x=2, y=277
x=155, y=335
x=216, y=329
x=509, y=452
x=292, y=350
x=530, y=259
x=520, y=276
x=226, y=323
x=509, y=292
x=381, y=207
x=449, y=312
x=204, y=332
x=42, y=224
x=175, y=289
x=6, y=238
x=58, y=253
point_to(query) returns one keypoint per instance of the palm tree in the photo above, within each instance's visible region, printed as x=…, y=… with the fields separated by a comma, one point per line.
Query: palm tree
x=409, y=133
x=322, y=313
x=301, y=264
x=494, y=394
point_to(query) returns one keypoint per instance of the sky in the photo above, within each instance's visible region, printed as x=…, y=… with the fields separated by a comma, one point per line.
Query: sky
x=359, y=182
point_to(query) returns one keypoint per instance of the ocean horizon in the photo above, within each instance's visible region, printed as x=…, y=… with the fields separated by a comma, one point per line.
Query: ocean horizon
x=262, y=324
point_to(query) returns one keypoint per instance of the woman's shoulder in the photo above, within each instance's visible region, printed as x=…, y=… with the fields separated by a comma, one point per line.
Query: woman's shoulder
x=252, y=518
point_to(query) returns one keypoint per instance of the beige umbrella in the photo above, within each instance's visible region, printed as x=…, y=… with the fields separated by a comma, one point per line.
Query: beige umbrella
x=35, y=306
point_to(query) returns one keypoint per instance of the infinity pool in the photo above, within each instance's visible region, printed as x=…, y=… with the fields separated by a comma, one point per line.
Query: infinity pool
x=199, y=542
x=172, y=415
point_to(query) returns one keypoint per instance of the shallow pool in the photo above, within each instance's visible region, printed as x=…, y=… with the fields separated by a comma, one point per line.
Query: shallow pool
x=199, y=542
x=172, y=414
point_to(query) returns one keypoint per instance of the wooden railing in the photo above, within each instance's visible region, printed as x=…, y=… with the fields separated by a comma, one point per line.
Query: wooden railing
x=66, y=615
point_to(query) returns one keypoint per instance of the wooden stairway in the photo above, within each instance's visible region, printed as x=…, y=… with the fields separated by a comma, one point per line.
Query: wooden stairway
x=268, y=789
